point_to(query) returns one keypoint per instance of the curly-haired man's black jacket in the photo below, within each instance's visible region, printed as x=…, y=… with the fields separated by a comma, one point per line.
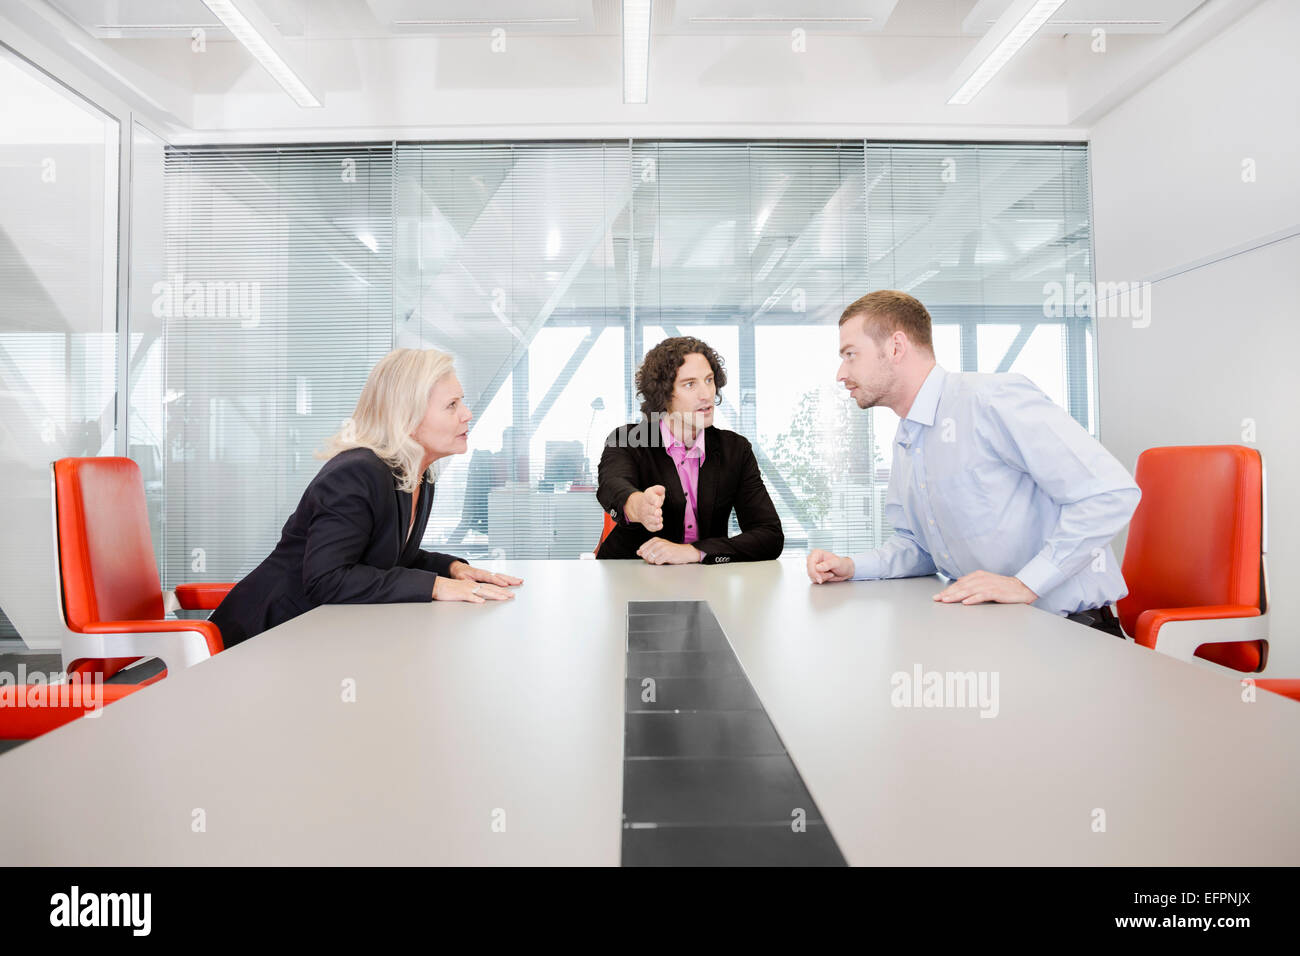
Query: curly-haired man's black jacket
x=634, y=459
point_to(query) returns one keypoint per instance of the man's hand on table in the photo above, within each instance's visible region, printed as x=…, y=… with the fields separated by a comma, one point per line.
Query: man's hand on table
x=827, y=568
x=981, y=586
x=659, y=551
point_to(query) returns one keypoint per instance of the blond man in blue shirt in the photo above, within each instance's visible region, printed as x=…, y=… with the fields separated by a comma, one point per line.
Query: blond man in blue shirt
x=993, y=485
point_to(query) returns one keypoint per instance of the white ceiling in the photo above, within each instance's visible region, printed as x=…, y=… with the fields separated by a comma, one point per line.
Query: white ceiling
x=423, y=68
x=164, y=19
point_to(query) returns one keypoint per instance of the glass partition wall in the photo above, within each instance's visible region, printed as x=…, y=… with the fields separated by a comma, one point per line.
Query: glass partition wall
x=264, y=282
x=58, y=321
x=548, y=270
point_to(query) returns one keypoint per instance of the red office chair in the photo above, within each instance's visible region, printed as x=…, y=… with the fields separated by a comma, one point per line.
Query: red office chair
x=1195, y=558
x=111, y=601
x=604, y=533
x=1287, y=688
x=44, y=707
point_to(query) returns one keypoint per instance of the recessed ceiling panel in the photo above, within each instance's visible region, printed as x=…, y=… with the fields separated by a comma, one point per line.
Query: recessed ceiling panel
x=165, y=19
x=780, y=16
x=477, y=16
x=1084, y=16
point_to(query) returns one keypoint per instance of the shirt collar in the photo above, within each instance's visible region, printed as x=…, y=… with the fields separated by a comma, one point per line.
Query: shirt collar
x=673, y=443
x=926, y=402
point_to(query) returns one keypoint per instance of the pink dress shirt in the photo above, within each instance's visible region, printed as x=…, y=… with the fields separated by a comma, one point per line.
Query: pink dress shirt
x=688, y=461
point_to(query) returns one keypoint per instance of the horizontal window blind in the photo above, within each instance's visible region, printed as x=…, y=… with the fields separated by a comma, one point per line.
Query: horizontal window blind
x=756, y=248
x=978, y=233
x=549, y=270
x=275, y=302
x=508, y=257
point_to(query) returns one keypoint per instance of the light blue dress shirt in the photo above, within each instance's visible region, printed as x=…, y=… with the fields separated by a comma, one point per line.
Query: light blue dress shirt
x=989, y=474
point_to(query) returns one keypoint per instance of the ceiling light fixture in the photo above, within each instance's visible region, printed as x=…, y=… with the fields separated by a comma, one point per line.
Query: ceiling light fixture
x=1106, y=22
x=508, y=21
x=636, y=50
x=262, y=43
x=1011, y=31
x=761, y=19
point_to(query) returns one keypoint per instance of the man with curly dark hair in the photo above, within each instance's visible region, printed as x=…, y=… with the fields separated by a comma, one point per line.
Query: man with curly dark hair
x=671, y=480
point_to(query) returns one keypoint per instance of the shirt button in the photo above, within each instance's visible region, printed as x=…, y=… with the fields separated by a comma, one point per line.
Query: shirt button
x=923, y=486
x=931, y=521
x=945, y=554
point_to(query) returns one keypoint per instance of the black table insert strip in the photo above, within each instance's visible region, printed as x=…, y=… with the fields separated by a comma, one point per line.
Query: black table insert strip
x=706, y=778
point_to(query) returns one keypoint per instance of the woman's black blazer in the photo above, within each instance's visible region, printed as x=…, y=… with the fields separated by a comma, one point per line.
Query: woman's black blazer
x=634, y=459
x=345, y=544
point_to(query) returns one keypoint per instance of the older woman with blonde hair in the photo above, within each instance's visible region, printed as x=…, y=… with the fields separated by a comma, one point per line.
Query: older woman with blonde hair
x=355, y=535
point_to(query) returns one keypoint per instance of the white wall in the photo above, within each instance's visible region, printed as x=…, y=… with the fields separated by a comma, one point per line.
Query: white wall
x=1223, y=343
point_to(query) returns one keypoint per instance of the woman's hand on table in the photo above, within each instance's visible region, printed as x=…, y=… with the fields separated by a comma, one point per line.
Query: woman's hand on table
x=474, y=585
x=465, y=572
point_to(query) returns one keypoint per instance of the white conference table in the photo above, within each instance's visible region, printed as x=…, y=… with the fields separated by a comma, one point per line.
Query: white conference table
x=468, y=717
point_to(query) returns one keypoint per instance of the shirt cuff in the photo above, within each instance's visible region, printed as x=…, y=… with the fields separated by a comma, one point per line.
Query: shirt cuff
x=1041, y=575
x=866, y=567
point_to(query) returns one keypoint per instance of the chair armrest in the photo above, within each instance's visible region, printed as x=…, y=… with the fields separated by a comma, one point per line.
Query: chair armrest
x=1179, y=631
x=201, y=597
x=177, y=644
x=1287, y=688
x=45, y=707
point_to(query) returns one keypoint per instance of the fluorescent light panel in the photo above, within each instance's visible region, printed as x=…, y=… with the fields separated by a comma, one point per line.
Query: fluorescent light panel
x=636, y=50
x=782, y=19
x=508, y=21
x=262, y=51
x=1111, y=22
x=1007, y=47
